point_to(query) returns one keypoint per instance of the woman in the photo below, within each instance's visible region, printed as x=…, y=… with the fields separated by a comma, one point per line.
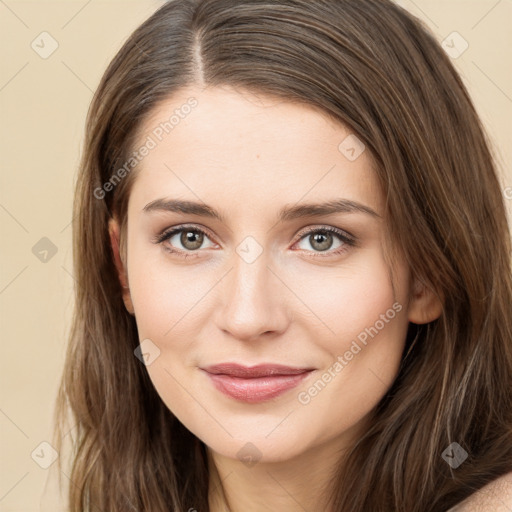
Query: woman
x=293, y=265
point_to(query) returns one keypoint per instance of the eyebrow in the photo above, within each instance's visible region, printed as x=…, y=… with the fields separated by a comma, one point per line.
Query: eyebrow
x=287, y=213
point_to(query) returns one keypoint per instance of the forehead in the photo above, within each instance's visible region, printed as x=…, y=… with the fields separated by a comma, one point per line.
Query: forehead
x=249, y=149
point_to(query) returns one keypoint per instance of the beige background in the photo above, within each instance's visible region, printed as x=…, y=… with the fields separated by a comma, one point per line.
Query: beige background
x=43, y=105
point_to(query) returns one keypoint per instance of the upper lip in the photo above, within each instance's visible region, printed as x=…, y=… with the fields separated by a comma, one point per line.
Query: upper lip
x=260, y=370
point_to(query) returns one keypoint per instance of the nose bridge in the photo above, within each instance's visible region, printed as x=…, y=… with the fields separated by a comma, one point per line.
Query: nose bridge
x=250, y=304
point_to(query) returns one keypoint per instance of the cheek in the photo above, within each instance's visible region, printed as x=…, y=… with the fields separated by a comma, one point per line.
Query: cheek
x=164, y=294
x=362, y=366
x=166, y=302
x=367, y=328
x=345, y=299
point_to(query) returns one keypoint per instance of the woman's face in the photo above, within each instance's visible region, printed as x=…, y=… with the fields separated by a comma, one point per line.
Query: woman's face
x=258, y=282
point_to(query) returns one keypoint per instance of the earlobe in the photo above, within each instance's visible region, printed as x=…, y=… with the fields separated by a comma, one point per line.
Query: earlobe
x=113, y=229
x=425, y=305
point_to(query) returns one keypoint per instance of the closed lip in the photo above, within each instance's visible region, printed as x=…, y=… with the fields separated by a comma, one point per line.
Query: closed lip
x=253, y=372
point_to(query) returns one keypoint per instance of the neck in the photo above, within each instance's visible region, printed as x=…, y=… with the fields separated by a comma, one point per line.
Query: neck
x=293, y=485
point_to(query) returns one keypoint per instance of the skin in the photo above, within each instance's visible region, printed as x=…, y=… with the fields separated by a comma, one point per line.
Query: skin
x=248, y=156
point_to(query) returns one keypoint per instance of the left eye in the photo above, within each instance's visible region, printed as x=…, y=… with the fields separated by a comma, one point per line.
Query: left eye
x=322, y=239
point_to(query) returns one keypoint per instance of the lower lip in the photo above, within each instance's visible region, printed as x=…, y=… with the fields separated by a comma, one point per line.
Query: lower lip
x=258, y=389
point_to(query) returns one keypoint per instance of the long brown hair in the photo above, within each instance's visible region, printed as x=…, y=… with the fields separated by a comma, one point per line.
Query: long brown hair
x=377, y=69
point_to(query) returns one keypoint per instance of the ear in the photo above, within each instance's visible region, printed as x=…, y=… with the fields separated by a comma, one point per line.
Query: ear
x=424, y=304
x=113, y=229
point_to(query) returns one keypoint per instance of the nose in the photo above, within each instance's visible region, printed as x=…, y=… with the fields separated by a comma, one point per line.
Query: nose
x=252, y=301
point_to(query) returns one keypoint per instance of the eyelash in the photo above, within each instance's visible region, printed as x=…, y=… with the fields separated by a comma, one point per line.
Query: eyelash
x=348, y=240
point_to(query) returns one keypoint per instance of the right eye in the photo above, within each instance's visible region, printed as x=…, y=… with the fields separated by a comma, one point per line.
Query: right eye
x=191, y=239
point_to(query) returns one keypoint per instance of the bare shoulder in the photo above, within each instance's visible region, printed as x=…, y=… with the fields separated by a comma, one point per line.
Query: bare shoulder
x=496, y=496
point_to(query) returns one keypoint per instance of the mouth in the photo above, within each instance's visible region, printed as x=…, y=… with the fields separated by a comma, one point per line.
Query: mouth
x=254, y=384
